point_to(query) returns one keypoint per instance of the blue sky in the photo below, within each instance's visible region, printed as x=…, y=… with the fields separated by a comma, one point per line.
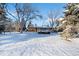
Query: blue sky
x=44, y=8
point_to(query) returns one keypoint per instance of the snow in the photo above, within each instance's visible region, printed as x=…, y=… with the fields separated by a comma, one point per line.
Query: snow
x=34, y=44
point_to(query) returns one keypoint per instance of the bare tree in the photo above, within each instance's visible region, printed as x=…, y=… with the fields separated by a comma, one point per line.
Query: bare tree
x=53, y=17
x=26, y=12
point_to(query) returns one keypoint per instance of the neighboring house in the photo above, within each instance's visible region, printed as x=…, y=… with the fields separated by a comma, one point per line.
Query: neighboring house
x=39, y=29
x=32, y=29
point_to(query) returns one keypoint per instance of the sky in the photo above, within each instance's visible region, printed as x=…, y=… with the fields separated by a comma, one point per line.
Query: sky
x=44, y=9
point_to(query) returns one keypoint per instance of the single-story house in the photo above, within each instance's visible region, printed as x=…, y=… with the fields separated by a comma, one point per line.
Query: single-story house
x=37, y=29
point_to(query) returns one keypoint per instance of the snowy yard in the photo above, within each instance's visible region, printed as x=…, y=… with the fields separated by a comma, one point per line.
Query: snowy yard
x=34, y=44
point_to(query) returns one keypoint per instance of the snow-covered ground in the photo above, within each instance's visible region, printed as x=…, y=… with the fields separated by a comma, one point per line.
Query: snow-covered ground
x=34, y=44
